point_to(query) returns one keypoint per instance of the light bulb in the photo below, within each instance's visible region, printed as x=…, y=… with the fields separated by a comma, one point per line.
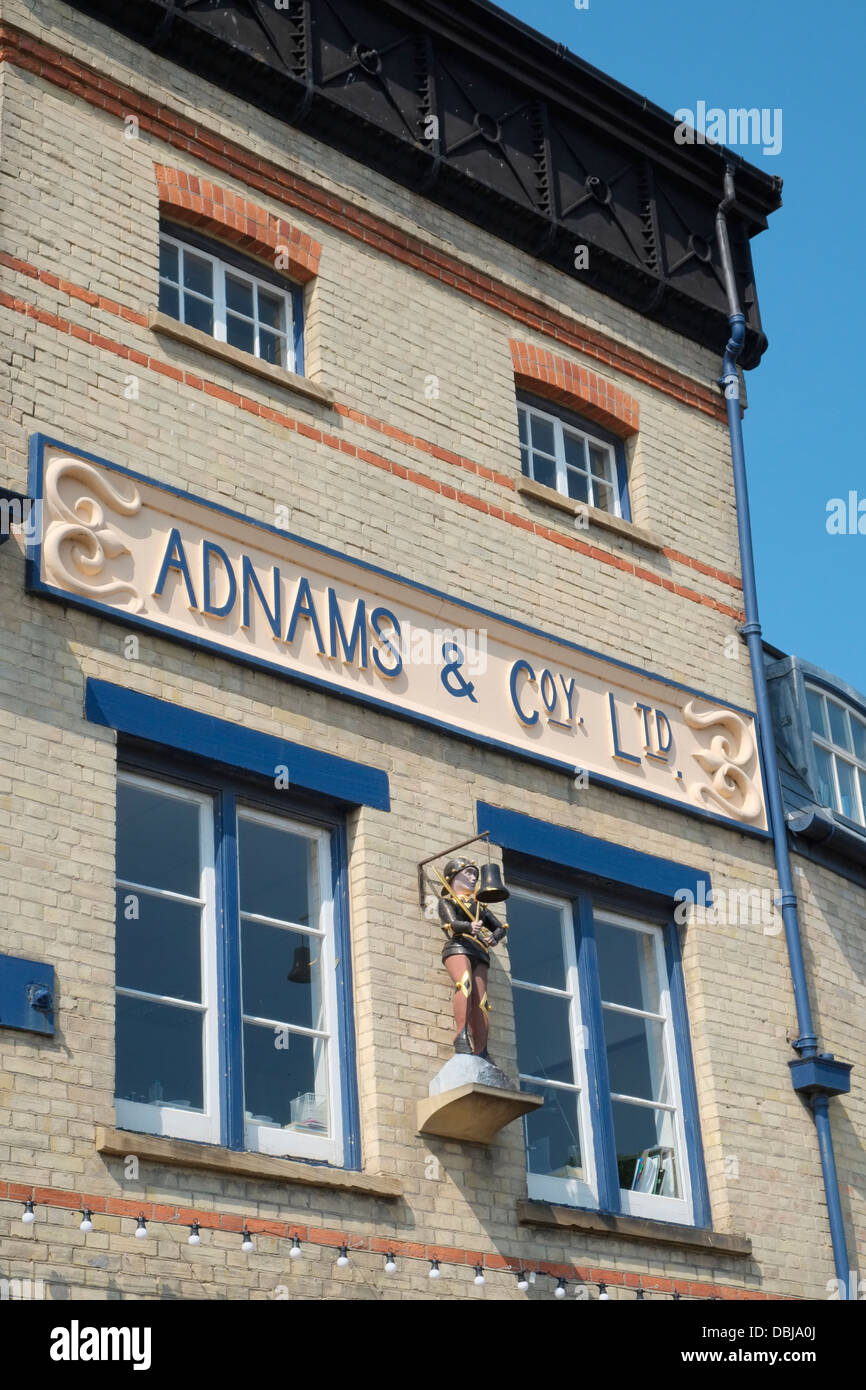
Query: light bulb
x=343, y=1258
x=603, y=1293
x=86, y=1223
x=434, y=1269
x=29, y=1215
x=247, y=1242
x=390, y=1263
x=296, y=1251
x=141, y=1229
x=522, y=1281
x=479, y=1277
x=194, y=1237
x=559, y=1291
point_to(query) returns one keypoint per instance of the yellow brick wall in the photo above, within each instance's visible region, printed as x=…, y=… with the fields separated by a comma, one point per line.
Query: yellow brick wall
x=84, y=208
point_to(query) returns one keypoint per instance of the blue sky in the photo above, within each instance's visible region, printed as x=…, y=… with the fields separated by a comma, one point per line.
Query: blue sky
x=804, y=427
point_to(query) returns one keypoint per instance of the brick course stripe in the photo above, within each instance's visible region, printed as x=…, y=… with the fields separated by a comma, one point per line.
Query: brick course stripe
x=167, y=125
x=253, y=407
x=326, y=1238
x=357, y=416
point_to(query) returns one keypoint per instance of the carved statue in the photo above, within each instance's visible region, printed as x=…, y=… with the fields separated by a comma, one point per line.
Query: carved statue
x=472, y=931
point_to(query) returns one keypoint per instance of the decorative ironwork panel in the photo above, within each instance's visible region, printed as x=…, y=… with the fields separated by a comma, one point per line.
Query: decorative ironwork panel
x=494, y=122
x=366, y=62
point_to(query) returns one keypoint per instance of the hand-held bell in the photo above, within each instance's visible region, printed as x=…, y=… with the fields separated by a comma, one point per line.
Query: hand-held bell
x=300, y=971
x=491, y=889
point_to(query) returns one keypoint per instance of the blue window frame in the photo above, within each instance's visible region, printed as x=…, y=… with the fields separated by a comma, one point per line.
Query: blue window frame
x=234, y=1019
x=601, y=1021
x=573, y=456
x=596, y=1027
x=231, y=297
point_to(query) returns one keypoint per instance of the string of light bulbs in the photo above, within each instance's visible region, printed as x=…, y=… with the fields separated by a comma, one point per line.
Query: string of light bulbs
x=526, y=1278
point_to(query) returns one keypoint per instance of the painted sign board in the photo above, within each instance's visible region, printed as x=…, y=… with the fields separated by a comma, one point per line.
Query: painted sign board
x=150, y=555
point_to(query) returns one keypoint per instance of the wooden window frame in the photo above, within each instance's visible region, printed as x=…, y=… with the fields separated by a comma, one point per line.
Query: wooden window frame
x=224, y=261
x=226, y=1122
x=562, y=420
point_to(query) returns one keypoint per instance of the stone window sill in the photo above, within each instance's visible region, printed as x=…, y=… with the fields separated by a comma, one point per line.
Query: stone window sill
x=527, y=487
x=182, y=1153
x=277, y=376
x=595, y=1223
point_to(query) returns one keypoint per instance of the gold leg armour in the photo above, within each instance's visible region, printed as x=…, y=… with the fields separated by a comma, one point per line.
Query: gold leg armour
x=484, y=1004
x=462, y=1043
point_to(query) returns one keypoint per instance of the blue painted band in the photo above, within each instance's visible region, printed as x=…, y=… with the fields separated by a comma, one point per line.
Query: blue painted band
x=571, y=849
x=218, y=740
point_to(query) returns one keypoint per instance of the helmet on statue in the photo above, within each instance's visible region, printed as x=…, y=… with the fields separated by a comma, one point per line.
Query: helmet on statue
x=453, y=868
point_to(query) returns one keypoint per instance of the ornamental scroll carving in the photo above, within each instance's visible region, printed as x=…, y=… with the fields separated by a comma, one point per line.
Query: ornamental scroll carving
x=731, y=752
x=78, y=541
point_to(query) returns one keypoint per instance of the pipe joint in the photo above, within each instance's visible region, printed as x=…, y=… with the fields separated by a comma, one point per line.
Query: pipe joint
x=734, y=346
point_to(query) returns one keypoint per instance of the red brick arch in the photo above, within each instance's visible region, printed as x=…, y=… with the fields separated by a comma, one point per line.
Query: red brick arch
x=556, y=379
x=199, y=203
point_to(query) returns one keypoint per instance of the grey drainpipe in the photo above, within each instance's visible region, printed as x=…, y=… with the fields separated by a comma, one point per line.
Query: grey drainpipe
x=816, y=1076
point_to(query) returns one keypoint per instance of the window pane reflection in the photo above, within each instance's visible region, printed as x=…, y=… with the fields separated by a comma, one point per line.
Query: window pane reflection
x=543, y=1035
x=275, y=866
x=817, y=718
x=198, y=313
x=197, y=274
x=158, y=945
x=838, y=725
x=553, y=1146
x=847, y=792
x=285, y=1079
x=627, y=967
x=159, y=1054
x=535, y=943
x=157, y=840
x=281, y=973
x=635, y=1056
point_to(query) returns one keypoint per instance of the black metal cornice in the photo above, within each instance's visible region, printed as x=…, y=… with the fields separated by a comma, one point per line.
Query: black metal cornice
x=487, y=118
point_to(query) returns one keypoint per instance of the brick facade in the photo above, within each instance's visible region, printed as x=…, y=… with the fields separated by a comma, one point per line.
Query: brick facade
x=398, y=293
